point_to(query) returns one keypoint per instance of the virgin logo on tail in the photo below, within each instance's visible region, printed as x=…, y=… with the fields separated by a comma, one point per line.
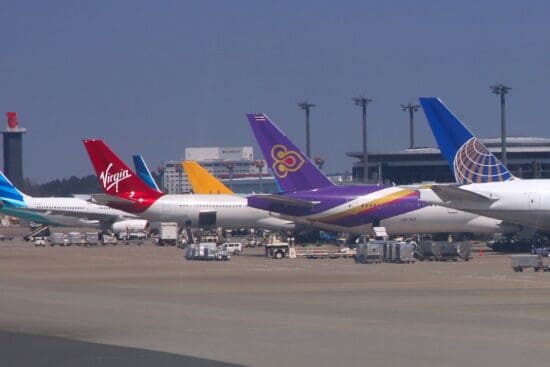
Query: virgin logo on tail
x=110, y=180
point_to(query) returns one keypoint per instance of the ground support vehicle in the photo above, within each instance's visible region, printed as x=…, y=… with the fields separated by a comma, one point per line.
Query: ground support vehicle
x=399, y=252
x=369, y=253
x=206, y=251
x=234, y=248
x=91, y=239
x=537, y=262
x=59, y=239
x=168, y=234
x=443, y=251
x=424, y=251
x=279, y=250
x=75, y=238
x=108, y=239
x=40, y=242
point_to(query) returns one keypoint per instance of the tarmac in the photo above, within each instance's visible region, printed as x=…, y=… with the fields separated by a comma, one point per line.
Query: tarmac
x=146, y=305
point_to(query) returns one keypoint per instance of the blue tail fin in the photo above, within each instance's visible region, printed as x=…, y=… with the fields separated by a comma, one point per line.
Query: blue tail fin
x=144, y=173
x=291, y=168
x=9, y=193
x=469, y=159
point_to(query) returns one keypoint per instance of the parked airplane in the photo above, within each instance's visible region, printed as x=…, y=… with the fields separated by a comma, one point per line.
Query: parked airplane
x=309, y=197
x=144, y=173
x=485, y=186
x=125, y=191
x=64, y=211
x=202, y=181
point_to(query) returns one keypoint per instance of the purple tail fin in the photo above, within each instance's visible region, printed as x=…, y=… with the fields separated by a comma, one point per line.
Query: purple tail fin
x=290, y=166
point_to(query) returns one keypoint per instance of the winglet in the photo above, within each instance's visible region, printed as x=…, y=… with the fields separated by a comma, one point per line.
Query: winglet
x=202, y=181
x=468, y=158
x=292, y=169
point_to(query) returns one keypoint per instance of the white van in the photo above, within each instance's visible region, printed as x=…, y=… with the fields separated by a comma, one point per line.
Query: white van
x=234, y=248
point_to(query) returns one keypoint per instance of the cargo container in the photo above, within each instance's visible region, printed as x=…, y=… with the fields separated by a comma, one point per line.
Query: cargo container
x=206, y=251
x=399, y=252
x=108, y=239
x=369, y=253
x=537, y=262
x=91, y=238
x=424, y=251
x=75, y=238
x=59, y=239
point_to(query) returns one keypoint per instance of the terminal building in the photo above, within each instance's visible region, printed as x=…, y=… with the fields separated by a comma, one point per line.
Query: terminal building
x=528, y=157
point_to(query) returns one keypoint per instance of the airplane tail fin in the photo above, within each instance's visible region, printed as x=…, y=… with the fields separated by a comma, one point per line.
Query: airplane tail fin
x=144, y=173
x=9, y=193
x=115, y=178
x=202, y=181
x=469, y=159
x=291, y=168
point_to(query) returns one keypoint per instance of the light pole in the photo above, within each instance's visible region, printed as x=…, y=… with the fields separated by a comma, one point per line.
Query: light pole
x=305, y=105
x=230, y=166
x=260, y=165
x=502, y=90
x=319, y=161
x=363, y=102
x=412, y=108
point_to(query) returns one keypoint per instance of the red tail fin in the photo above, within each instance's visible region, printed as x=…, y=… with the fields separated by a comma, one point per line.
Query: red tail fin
x=115, y=177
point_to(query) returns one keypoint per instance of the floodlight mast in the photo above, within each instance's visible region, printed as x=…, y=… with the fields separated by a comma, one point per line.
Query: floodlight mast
x=305, y=105
x=501, y=90
x=363, y=102
x=412, y=108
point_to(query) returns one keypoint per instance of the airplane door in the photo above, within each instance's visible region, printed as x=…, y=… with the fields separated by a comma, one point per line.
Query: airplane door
x=534, y=200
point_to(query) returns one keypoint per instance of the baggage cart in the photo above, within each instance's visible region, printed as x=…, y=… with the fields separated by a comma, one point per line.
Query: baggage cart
x=369, y=253
x=59, y=239
x=537, y=262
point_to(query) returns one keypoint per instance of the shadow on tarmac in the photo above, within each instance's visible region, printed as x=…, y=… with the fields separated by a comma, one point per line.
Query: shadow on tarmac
x=25, y=350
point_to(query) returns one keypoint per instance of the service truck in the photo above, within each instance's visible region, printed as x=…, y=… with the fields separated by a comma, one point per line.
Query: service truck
x=168, y=234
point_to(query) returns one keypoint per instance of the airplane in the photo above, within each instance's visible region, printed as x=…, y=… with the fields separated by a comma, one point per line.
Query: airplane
x=144, y=173
x=308, y=197
x=124, y=190
x=64, y=211
x=484, y=186
x=202, y=181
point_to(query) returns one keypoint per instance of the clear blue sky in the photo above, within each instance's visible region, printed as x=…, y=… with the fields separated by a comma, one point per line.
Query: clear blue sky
x=156, y=76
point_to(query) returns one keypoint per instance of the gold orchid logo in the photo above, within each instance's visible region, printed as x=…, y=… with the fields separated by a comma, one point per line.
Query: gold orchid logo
x=285, y=161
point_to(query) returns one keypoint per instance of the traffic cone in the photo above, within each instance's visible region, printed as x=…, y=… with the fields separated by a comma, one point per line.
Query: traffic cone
x=480, y=252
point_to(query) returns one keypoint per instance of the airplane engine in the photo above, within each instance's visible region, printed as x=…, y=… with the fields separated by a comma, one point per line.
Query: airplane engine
x=129, y=225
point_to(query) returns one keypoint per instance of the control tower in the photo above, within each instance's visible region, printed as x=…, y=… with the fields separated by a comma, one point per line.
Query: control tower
x=13, y=150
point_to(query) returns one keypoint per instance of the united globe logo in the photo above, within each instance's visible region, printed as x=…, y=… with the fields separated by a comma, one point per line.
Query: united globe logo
x=473, y=163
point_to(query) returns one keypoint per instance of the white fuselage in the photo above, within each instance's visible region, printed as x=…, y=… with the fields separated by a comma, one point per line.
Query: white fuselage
x=66, y=212
x=416, y=218
x=524, y=202
x=197, y=211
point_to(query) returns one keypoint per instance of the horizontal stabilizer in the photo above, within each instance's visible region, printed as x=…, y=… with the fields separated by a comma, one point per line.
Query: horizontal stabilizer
x=104, y=199
x=455, y=193
x=285, y=200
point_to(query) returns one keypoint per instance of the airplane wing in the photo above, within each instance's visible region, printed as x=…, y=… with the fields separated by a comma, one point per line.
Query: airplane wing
x=455, y=193
x=285, y=200
x=77, y=214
